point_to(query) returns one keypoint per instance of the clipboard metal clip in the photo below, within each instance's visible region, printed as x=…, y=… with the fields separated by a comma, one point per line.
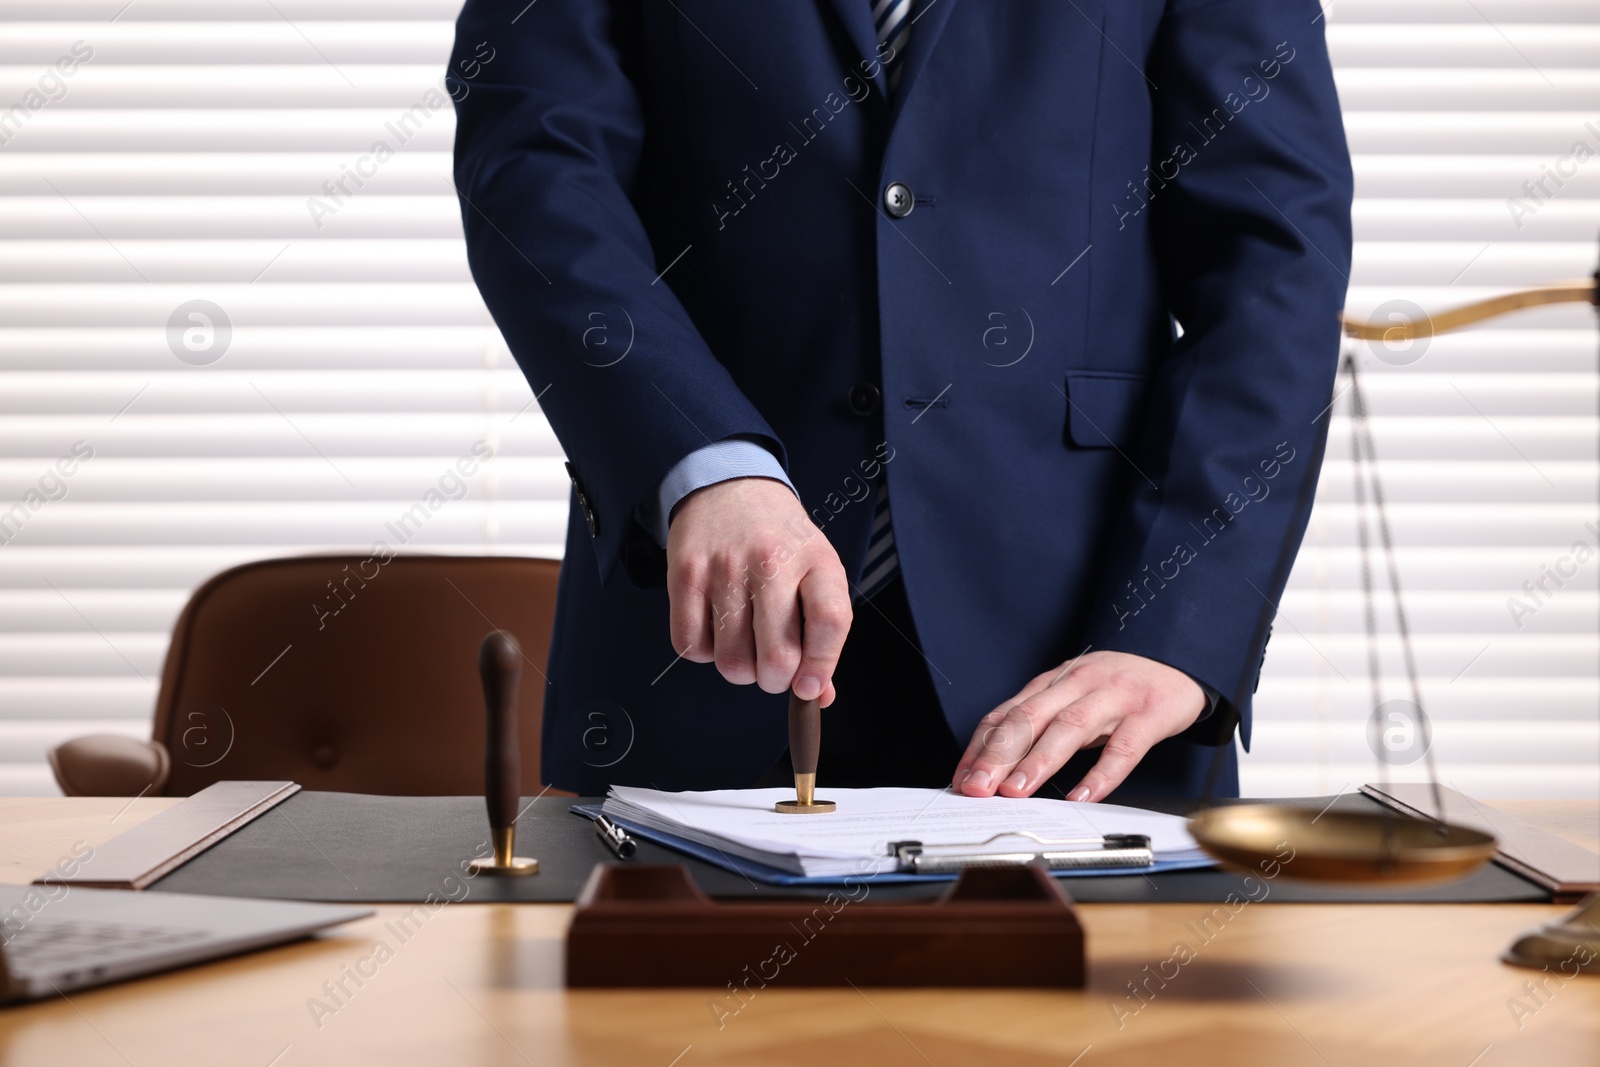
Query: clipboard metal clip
x=1111, y=850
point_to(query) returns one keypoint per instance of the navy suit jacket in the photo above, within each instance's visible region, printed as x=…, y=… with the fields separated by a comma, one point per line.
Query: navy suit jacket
x=1104, y=337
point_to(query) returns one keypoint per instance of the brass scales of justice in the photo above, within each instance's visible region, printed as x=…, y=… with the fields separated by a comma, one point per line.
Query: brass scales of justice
x=1384, y=847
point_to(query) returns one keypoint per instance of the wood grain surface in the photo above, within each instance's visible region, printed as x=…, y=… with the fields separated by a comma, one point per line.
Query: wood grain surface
x=1270, y=984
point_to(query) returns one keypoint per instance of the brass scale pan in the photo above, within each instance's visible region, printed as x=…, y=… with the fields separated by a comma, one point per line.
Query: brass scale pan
x=1380, y=847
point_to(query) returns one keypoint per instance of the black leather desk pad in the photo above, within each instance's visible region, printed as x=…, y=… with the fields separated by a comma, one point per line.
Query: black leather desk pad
x=349, y=847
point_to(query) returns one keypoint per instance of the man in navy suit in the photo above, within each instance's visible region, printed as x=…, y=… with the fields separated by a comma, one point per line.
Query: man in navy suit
x=964, y=363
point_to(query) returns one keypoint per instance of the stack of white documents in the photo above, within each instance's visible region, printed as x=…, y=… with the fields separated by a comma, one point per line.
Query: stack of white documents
x=856, y=839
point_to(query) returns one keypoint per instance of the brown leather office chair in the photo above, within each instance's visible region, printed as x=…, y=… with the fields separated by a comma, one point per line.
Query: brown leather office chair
x=339, y=672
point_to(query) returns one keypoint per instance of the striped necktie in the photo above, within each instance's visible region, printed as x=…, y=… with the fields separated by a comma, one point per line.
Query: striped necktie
x=892, y=18
x=883, y=562
x=893, y=21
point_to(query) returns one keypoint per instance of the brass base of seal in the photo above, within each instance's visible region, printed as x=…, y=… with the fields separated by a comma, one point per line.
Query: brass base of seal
x=503, y=861
x=805, y=801
x=518, y=865
x=798, y=807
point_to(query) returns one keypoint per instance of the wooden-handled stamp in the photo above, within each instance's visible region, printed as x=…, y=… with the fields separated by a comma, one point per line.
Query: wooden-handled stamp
x=805, y=745
x=500, y=667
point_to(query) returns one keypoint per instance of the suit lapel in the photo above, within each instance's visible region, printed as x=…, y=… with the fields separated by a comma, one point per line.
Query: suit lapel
x=857, y=18
x=929, y=18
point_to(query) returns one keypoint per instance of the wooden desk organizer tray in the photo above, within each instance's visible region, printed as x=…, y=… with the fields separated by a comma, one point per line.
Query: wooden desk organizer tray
x=650, y=926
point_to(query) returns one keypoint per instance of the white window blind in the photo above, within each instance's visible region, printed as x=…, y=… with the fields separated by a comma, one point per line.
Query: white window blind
x=1487, y=438
x=174, y=165
x=179, y=154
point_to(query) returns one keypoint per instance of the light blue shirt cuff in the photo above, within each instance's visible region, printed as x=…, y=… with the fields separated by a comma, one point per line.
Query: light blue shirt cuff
x=707, y=466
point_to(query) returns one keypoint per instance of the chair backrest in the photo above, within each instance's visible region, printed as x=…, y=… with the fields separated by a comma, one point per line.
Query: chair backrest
x=351, y=673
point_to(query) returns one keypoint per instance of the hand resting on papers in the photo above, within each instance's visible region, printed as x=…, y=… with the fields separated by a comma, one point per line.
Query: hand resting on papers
x=1126, y=703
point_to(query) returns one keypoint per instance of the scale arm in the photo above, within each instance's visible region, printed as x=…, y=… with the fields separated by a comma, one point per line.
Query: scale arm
x=1579, y=291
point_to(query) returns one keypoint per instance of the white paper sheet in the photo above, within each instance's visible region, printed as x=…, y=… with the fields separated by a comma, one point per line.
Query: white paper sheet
x=856, y=837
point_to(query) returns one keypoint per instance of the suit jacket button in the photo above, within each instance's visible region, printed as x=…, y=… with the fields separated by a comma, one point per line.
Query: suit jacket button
x=897, y=200
x=864, y=398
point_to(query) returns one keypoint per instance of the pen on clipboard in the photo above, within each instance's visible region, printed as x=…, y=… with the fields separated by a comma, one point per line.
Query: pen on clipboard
x=616, y=838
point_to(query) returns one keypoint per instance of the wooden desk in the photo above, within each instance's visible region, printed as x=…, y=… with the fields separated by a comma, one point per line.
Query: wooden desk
x=1281, y=985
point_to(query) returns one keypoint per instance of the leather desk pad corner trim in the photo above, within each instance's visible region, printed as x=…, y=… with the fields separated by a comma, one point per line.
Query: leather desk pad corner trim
x=144, y=853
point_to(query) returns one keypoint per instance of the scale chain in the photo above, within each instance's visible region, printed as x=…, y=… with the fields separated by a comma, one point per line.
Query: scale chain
x=1361, y=440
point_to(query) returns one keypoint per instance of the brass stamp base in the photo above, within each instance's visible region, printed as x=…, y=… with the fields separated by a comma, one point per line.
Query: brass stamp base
x=800, y=807
x=505, y=860
x=805, y=800
x=518, y=865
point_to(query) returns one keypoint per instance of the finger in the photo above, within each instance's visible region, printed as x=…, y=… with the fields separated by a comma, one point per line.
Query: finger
x=982, y=735
x=775, y=625
x=732, y=633
x=992, y=729
x=825, y=601
x=1049, y=678
x=1124, y=749
x=1079, y=726
x=1006, y=734
x=689, y=610
x=1005, y=739
x=829, y=695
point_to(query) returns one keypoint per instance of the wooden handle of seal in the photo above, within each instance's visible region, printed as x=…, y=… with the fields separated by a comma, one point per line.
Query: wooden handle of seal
x=500, y=667
x=805, y=734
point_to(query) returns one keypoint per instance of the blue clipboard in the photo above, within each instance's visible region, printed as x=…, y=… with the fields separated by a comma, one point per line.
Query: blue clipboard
x=760, y=872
